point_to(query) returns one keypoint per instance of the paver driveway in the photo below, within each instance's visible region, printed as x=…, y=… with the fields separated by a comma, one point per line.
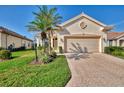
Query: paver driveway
x=95, y=69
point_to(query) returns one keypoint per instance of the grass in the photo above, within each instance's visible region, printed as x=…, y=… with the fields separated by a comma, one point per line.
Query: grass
x=20, y=58
x=17, y=72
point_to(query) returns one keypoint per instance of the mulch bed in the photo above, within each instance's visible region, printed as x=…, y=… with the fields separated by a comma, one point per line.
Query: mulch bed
x=2, y=60
x=34, y=62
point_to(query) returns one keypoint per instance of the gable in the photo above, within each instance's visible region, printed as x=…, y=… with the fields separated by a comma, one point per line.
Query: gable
x=82, y=25
x=84, y=16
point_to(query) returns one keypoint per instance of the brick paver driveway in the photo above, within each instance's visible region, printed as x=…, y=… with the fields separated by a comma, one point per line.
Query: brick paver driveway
x=95, y=69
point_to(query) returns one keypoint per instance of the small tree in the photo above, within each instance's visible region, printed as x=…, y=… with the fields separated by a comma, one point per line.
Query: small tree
x=50, y=19
x=37, y=26
x=45, y=21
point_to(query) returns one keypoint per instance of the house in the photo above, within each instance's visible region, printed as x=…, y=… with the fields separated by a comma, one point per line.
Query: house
x=115, y=38
x=38, y=39
x=12, y=39
x=81, y=34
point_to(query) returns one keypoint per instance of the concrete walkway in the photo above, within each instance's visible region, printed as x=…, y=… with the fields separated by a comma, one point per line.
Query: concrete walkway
x=95, y=69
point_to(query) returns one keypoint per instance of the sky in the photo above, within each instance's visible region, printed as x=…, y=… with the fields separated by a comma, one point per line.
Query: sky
x=16, y=18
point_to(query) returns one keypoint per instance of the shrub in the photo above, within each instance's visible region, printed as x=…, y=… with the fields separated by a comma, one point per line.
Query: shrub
x=47, y=58
x=17, y=49
x=1, y=48
x=110, y=50
x=117, y=53
x=44, y=58
x=50, y=59
x=53, y=54
x=60, y=49
x=39, y=47
x=5, y=54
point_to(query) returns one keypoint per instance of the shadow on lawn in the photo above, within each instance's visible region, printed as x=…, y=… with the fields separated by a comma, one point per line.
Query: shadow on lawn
x=13, y=57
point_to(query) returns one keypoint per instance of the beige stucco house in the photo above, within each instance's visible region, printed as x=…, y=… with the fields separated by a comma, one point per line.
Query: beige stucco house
x=81, y=34
x=10, y=38
x=115, y=39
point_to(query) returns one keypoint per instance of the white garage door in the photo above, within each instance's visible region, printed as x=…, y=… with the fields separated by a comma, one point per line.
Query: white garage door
x=82, y=45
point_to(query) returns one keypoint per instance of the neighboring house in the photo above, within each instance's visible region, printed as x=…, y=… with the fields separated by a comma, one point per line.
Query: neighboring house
x=12, y=39
x=39, y=41
x=115, y=38
x=81, y=34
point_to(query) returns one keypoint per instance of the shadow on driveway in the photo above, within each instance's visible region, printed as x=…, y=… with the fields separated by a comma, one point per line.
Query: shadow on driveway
x=77, y=52
x=78, y=56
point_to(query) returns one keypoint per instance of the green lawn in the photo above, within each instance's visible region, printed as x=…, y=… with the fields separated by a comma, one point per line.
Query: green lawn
x=17, y=72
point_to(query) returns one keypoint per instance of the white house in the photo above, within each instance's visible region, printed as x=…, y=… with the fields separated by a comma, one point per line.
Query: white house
x=81, y=33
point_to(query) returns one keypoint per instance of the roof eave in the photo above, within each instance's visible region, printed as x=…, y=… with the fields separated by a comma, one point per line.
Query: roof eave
x=82, y=15
x=107, y=28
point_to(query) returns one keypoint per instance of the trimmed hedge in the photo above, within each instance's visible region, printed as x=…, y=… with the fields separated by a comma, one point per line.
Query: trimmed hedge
x=17, y=49
x=110, y=50
x=48, y=58
x=5, y=54
x=1, y=48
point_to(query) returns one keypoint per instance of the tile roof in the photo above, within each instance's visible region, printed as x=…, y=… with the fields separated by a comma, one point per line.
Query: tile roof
x=113, y=35
x=7, y=31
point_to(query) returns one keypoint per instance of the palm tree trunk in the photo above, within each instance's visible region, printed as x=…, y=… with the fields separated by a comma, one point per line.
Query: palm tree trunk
x=49, y=38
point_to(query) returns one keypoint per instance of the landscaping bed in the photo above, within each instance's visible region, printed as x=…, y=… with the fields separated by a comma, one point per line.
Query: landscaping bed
x=19, y=73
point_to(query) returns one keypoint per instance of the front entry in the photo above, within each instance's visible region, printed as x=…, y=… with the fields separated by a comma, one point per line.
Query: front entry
x=55, y=43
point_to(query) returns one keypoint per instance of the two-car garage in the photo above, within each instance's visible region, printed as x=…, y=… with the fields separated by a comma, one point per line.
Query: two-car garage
x=81, y=44
x=82, y=34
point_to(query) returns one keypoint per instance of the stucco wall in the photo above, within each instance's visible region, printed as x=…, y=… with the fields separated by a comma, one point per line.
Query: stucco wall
x=116, y=42
x=27, y=43
x=74, y=28
x=15, y=40
x=3, y=40
x=121, y=38
x=7, y=40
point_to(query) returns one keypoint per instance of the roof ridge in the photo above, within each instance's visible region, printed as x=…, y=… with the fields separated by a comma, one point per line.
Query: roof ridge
x=8, y=31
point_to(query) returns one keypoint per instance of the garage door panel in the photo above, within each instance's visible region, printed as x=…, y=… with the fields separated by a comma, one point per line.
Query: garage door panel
x=82, y=45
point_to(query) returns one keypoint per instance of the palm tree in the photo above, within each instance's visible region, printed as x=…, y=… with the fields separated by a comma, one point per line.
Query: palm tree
x=37, y=26
x=45, y=21
x=50, y=19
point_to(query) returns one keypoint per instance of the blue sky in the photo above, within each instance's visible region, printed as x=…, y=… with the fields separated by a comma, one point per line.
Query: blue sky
x=17, y=17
